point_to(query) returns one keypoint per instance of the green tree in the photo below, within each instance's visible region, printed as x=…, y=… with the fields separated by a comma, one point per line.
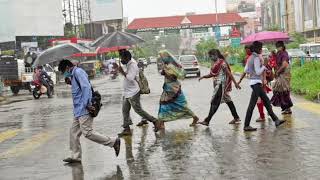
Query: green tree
x=274, y=28
x=204, y=46
x=298, y=39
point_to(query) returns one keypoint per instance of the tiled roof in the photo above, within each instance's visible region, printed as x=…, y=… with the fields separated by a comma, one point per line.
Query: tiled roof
x=175, y=21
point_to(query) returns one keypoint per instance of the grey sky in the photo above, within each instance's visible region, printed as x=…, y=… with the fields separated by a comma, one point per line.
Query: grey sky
x=154, y=8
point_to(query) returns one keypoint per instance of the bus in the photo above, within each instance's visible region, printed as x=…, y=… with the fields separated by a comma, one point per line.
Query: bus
x=312, y=50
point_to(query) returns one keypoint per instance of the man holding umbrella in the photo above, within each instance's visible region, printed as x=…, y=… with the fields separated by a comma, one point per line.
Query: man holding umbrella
x=131, y=95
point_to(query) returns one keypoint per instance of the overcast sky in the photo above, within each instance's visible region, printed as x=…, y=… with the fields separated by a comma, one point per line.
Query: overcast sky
x=154, y=8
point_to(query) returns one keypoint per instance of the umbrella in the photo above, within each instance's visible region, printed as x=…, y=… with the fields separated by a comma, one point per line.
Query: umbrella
x=116, y=40
x=266, y=37
x=59, y=52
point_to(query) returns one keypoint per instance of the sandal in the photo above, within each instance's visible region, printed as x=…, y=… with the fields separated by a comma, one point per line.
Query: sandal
x=195, y=121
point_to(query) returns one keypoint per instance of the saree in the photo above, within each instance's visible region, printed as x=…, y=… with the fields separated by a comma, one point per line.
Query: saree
x=173, y=103
x=281, y=87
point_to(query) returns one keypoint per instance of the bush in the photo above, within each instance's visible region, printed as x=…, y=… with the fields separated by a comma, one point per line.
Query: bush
x=306, y=80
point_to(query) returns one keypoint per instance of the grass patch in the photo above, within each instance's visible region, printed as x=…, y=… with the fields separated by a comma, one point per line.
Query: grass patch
x=306, y=80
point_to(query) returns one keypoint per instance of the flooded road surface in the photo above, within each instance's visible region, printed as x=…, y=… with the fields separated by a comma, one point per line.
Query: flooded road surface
x=34, y=138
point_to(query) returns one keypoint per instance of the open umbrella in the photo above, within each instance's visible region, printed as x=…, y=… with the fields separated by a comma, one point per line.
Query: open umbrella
x=59, y=52
x=266, y=37
x=116, y=41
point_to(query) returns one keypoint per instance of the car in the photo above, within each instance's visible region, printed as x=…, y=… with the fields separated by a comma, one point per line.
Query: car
x=296, y=53
x=144, y=61
x=153, y=60
x=190, y=64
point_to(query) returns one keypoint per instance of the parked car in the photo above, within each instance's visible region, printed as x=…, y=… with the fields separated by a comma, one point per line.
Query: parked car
x=190, y=64
x=144, y=61
x=153, y=60
x=296, y=53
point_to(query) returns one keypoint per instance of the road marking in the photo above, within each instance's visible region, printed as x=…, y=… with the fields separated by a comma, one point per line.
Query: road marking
x=8, y=134
x=28, y=145
x=309, y=106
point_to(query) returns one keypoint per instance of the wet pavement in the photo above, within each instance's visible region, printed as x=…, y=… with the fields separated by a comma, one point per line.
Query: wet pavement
x=34, y=139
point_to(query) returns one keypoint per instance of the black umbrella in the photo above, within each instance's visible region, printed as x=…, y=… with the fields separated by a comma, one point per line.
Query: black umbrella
x=117, y=39
x=59, y=52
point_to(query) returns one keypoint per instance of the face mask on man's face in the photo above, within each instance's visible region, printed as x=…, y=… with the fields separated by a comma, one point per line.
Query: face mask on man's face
x=124, y=62
x=67, y=74
x=214, y=57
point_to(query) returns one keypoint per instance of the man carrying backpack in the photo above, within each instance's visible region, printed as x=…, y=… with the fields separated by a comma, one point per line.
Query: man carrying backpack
x=132, y=92
x=83, y=108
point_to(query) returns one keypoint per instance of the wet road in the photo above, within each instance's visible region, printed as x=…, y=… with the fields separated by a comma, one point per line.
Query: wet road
x=34, y=139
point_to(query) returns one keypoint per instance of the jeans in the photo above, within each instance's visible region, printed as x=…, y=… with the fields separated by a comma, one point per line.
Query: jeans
x=134, y=102
x=215, y=103
x=257, y=91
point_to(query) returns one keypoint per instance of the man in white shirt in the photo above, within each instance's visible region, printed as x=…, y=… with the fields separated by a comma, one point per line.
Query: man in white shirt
x=131, y=96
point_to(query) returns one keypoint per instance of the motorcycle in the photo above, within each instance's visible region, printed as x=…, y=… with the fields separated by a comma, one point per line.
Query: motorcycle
x=38, y=89
x=114, y=74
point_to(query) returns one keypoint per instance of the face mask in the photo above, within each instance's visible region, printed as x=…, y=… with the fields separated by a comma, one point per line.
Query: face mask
x=67, y=74
x=214, y=57
x=124, y=62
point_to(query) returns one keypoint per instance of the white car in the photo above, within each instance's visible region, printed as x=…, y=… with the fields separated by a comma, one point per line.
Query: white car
x=190, y=64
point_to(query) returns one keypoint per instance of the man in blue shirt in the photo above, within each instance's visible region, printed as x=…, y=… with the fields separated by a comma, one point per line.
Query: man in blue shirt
x=82, y=123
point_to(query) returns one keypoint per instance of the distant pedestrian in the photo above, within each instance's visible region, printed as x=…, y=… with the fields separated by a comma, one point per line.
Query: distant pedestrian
x=281, y=89
x=222, y=86
x=131, y=96
x=173, y=103
x=256, y=70
x=82, y=123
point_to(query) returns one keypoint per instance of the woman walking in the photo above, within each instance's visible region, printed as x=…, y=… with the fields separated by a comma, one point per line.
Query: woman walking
x=256, y=70
x=281, y=89
x=173, y=103
x=222, y=83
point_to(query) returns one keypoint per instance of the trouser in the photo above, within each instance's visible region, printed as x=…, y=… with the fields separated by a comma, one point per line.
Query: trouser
x=83, y=125
x=257, y=91
x=134, y=102
x=215, y=103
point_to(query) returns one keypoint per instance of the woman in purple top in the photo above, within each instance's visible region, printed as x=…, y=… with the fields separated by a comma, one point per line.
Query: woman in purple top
x=281, y=88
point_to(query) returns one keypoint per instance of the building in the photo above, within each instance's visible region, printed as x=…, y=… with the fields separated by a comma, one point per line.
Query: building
x=250, y=10
x=191, y=27
x=24, y=21
x=37, y=21
x=307, y=18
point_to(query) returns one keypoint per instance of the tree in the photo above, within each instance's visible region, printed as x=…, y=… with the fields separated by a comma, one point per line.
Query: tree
x=274, y=28
x=204, y=46
x=298, y=39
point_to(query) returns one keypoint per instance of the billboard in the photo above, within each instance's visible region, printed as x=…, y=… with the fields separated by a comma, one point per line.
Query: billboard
x=30, y=18
x=102, y=10
x=6, y=20
x=38, y=17
x=241, y=6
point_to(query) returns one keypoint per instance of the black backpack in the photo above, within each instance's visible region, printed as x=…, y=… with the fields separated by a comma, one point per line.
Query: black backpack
x=95, y=100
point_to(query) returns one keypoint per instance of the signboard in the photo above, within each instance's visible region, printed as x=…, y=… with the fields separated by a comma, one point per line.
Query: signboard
x=235, y=42
x=102, y=10
x=37, y=17
x=200, y=30
x=217, y=33
x=6, y=19
x=30, y=18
